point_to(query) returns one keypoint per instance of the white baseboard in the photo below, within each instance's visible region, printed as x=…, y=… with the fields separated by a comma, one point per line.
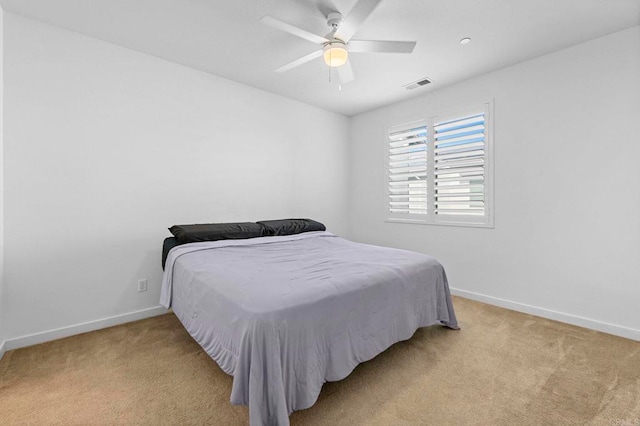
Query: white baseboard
x=59, y=333
x=618, y=330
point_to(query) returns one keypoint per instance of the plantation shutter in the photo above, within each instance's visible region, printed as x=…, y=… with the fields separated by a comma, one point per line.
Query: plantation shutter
x=459, y=166
x=407, y=171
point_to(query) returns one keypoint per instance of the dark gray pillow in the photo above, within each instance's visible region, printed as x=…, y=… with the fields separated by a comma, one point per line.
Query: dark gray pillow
x=290, y=226
x=167, y=245
x=216, y=231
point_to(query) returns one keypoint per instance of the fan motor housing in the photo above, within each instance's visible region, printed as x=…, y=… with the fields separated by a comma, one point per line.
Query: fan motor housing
x=334, y=19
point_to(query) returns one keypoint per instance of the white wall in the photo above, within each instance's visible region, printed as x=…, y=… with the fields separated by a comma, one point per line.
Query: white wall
x=566, y=242
x=1, y=182
x=106, y=147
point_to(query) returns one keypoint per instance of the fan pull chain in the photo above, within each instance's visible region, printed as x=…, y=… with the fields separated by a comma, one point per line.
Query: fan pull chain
x=330, y=68
x=330, y=61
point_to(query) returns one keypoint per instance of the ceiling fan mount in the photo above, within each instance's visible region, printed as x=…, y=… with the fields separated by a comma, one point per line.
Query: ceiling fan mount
x=336, y=46
x=334, y=19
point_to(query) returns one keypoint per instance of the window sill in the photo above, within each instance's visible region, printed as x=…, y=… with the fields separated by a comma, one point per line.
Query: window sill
x=455, y=224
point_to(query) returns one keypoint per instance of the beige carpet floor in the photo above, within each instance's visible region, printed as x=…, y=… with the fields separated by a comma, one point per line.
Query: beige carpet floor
x=502, y=368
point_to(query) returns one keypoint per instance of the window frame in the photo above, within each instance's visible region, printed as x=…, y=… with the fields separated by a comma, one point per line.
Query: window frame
x=485, y=221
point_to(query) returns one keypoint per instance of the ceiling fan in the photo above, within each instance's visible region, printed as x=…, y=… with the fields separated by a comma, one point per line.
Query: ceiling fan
x=337, y=45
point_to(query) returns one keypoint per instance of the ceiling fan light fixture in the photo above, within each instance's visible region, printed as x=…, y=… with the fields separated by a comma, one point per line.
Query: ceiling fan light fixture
x=335, y=54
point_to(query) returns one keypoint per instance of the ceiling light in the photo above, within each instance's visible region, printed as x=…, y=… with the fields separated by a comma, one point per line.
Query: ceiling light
x=335, y=53
x=465, y=40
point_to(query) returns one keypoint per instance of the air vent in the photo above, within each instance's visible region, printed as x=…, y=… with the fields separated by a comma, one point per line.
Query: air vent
x=419, y=83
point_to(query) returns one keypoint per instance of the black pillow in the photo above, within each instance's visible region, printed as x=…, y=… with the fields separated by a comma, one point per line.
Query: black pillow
x=291, y=226
x=216, y=231
x=167, y=245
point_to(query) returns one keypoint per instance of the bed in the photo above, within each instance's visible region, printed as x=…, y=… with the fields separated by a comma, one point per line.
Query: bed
x=285, y=314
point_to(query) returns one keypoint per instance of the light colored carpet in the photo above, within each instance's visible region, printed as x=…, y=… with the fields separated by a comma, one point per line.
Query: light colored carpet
x=502, y=368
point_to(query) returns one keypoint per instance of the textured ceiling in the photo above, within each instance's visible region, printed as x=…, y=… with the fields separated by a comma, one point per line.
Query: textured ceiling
x=226, y=38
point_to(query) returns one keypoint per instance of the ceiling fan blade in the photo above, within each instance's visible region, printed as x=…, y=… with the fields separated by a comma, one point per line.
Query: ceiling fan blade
x=345, y=73
x=311, y=56
x=298, y=32
x=357, y=16
x=381, y=46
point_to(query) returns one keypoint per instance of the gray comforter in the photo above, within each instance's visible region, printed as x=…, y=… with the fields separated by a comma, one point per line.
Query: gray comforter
x=283, y=315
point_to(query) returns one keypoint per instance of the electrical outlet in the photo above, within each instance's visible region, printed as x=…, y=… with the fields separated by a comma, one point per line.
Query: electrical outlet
x=142, y=285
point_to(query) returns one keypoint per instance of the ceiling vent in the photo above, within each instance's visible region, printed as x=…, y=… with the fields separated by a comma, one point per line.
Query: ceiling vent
x=419, y=83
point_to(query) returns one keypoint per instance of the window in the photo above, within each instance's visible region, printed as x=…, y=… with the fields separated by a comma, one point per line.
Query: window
x=439, y=170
